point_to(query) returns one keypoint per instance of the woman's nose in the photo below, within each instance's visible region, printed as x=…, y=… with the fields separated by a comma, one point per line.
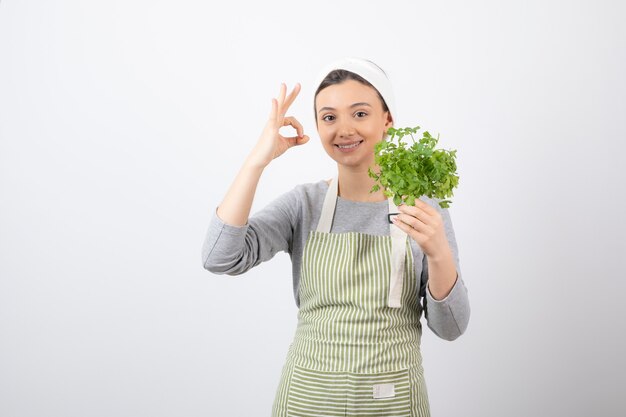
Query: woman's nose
x=346, y=129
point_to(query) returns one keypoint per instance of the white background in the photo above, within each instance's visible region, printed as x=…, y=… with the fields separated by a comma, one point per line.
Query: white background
x=123, y=123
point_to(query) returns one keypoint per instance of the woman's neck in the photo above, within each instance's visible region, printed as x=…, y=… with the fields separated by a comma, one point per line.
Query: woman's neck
x=355, y=185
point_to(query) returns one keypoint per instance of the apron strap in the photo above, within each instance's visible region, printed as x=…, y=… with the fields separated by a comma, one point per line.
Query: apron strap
x=398, y=241
x=328, y=209
x=398, y=260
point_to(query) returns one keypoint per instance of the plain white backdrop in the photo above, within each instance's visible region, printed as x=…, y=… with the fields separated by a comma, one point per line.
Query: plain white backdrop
x=123, y=123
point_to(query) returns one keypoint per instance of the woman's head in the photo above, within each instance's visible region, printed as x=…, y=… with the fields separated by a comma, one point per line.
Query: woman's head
x=353, y=105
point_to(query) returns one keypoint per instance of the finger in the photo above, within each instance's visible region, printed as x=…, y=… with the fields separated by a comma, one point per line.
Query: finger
x=292, y=96
x=301, y=140
x=425, y=206
x=274, y=110
x=415, y=212
x=297, y=140
x=411, y=222
x=403, y=226
x=291, y=121
x=281, y=97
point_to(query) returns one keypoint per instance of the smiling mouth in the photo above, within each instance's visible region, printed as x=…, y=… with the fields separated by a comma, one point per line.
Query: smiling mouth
x=354, y=145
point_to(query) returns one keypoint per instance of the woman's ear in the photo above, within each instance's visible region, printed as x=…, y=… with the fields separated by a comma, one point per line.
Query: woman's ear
x=389, y=122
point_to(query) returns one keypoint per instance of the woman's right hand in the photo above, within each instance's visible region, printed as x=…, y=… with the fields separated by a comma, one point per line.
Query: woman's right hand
x=272, y=144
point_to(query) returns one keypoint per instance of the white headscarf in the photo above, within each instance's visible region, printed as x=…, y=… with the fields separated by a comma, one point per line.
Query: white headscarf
x=371, y=72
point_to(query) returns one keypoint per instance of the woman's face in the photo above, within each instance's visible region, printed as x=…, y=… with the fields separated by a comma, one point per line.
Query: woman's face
x=350, y=113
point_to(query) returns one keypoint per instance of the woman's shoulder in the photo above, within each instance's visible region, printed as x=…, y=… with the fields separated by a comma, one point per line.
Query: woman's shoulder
x=312, y=190
x=304, y=192
x=301, y=199
x=313, y=184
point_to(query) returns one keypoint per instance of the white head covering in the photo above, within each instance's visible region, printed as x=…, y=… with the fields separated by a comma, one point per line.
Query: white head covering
x=370, y=72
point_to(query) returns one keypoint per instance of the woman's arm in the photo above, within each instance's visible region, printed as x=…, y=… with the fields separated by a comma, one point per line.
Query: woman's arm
x=430, y=226
x=233, y=243
x=235, y=208
x=233, y=250
x=447, y=316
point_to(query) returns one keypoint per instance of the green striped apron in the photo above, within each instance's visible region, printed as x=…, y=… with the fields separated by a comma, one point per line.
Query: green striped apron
x=356, y=351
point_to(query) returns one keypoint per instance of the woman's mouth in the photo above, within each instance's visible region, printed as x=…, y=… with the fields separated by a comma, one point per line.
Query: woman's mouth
x=349, y=148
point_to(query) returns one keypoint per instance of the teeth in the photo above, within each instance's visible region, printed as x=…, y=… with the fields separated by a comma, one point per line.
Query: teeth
x=349, y=146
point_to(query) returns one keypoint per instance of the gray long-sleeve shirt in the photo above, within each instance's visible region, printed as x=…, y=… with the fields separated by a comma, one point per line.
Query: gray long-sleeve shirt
x=284, y=225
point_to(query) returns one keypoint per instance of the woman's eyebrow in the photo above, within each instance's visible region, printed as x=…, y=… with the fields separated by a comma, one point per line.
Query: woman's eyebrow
x=353, y=105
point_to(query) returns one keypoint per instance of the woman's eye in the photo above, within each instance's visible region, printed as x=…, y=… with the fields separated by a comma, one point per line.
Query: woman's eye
x=325, y=117
x=361, y=112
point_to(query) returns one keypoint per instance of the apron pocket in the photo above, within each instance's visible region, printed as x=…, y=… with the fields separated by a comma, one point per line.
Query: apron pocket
x=338, y=394
x=316, y=393
x=385, y=394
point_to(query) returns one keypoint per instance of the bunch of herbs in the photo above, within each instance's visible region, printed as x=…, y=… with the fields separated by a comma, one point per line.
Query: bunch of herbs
x=406, y=173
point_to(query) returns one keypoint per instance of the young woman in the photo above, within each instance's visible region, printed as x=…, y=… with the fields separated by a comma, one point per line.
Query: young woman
x=361, y=281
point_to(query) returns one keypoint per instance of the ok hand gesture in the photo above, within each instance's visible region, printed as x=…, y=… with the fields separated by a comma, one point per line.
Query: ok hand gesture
x=272, y=144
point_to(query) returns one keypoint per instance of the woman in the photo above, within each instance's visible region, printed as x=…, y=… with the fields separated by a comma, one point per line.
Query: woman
x=360, y=281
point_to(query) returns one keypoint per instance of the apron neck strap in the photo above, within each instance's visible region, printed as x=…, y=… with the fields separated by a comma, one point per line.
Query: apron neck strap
x=328, y=209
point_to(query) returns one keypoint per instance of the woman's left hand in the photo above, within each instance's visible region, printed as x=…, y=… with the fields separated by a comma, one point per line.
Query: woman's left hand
x=424, y=224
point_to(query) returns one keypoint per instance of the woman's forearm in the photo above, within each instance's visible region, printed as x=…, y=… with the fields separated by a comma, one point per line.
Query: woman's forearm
x=236, y=205
x=442, y=275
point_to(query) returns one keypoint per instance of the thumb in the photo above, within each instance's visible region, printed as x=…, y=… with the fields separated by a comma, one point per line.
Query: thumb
x=298, y=140
x=302, y=140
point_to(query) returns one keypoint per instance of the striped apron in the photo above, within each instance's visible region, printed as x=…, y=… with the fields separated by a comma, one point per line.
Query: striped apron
x=356, y=350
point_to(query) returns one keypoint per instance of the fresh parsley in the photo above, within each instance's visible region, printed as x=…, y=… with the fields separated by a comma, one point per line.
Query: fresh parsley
x=415, y=171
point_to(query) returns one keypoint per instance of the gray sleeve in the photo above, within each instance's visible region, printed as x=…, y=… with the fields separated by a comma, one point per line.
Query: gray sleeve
x=233, y=250
x=447, y=318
